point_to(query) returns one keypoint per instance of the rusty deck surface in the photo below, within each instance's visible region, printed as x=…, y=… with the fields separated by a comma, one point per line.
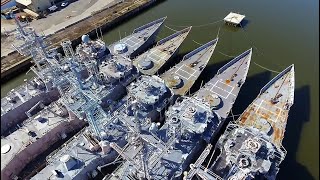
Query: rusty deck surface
x=269, y=111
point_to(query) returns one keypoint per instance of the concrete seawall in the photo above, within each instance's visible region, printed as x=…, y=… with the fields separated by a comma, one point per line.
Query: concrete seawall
x=105, y=19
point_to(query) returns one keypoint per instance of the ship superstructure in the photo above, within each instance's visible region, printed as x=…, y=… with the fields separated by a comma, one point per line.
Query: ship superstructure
x=251, y=147
x=34, y=136
x=160, y=154
x=18, y=101
x=146, y=101
x=79, y=69
x=129, y=115
x=151, y=96
x=87, y=80
x=168, y=151
x=117, y=69
x=107, y=128
x=103, y=72
x=41, y=128
x=76, y=78
x=29, y=38
x=89, y=49
x=223, y=89
x=149, y=62
x=78, y=158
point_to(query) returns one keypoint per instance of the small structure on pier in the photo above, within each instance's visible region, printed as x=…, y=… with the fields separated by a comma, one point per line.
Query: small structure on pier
x=234, y=19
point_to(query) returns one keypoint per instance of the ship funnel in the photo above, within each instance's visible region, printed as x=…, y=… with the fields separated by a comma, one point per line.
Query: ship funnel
x=153, y=127
x=105, y=147
x=68, y=162
x=120, y=48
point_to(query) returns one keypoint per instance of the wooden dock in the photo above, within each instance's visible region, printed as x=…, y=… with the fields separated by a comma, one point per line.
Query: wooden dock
x=234, y=19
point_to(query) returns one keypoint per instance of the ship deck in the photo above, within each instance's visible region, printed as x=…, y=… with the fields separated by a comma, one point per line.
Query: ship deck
x=189, y=69
x=161, y=53
x=225, y=84
x=21, y=94
x=79, y=147
x=267, y=116
x=138, y=37
x=76, y=148
x=29, y=132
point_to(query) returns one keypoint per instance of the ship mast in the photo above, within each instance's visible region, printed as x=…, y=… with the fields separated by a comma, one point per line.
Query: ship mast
x=141, y=141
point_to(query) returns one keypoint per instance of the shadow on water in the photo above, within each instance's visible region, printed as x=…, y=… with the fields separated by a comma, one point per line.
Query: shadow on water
x=244, y=23
x=298, y=115
x=230, y=28
x=250, y=90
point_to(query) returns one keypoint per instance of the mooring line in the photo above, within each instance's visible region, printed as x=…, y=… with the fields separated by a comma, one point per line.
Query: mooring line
x=245, y=33
x=197, y=42
x=170, y=28
x=218, y=32
x=195, y=26
x=232, y=115
x=246, y=36
x=226, y=54
x=253, y=62
x=266, y=68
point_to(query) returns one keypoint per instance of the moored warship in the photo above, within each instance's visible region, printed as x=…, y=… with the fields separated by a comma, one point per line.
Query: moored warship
x=251, y=147
x=61, y=75
x=130, y=120
x=146, y=99
x=166, y=152
x=90, y=53
x=222, y=90
x=34, y=136
x=21, y=100
x=16, y=104
x=103, y=77
x=140, y=39
x=182, y=76
x=149, y=62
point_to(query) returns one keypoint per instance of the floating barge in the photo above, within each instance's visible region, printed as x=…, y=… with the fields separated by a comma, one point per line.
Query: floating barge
x=234, y=19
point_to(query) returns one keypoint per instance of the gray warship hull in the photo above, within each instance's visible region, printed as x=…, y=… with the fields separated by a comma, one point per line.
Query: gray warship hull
x=153, y=60
x=68, y=86
x=251, y=147
x=19, y=103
